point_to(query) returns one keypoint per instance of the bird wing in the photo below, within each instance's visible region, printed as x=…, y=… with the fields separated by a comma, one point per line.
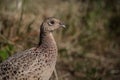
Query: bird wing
x=17, y=64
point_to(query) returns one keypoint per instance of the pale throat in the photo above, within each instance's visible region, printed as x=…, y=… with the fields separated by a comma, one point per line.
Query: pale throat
x=47, y=39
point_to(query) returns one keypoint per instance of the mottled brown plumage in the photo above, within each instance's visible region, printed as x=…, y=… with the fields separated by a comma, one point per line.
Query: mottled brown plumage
x=36, y=63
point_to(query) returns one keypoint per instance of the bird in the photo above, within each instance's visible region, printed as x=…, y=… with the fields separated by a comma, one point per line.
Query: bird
x=36, y=63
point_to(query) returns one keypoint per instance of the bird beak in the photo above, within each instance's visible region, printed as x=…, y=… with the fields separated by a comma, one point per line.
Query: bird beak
x=62, y=25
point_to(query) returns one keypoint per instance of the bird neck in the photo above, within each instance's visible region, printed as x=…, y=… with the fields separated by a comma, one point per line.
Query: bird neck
x=47, y=39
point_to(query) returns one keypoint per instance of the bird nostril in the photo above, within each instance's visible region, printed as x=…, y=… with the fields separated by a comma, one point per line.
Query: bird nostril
x=61, y=23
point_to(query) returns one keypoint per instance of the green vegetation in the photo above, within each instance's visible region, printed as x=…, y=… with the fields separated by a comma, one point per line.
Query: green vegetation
x=6, y=51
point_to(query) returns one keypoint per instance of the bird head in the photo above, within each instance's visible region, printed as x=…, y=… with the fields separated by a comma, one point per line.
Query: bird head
x=51, y=24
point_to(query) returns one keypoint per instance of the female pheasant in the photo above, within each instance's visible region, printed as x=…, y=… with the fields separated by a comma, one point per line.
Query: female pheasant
x=36, y=63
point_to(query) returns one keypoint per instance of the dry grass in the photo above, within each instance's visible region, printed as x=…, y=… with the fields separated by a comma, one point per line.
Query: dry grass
x=88, y=47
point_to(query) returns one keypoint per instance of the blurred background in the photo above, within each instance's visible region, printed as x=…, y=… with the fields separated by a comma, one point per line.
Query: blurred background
x=89, y=48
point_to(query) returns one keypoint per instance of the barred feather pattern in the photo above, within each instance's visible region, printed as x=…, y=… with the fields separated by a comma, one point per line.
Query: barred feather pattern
x=36, y=63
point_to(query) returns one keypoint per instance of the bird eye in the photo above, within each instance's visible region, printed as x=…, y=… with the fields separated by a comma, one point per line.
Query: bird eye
x=51, y=23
